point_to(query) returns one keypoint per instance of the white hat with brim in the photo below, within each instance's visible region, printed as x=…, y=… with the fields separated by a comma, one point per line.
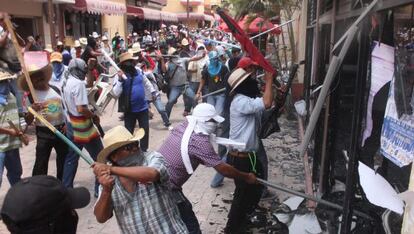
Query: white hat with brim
x=136, y=48
x=83, y=40
x=77, y=44
x=237, y=77
x=117, y=137
x=95, y=35
x=171, y=50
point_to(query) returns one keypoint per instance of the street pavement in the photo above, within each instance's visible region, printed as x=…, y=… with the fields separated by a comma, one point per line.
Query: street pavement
x=210, y=205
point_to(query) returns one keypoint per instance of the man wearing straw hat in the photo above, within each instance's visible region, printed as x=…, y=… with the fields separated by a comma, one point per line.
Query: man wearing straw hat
x=131, y=92
x=77, y=50
x=245, y=111
x=49, y=104
x=135, y=186
x=9, y=137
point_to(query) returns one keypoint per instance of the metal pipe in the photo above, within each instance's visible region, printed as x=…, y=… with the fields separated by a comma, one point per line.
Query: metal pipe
x=321, y=185
x=269, y=30
x=332, y=70
x=215, y=92
x=357, y=115
x=318, y=200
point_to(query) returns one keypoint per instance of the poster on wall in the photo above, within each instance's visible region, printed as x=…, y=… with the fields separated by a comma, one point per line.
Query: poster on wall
x=397, y=136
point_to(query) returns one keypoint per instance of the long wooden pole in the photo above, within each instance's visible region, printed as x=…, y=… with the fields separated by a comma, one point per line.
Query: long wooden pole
x=87, y=158
x=20, y=56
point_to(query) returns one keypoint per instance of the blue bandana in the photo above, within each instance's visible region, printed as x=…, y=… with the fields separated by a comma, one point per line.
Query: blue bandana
x=215, y=64
x=58, y=69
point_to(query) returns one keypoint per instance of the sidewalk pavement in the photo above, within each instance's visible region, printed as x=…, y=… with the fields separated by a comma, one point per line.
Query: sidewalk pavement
x=210, y=205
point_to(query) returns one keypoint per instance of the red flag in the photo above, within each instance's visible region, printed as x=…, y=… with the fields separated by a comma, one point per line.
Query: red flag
x=245, y=42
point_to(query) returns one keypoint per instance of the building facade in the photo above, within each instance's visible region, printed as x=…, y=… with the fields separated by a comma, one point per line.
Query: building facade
x=200, y=12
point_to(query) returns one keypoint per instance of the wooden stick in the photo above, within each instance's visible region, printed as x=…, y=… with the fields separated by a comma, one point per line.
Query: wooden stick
x=52, y=128
x=20, y=56
x=23, y=138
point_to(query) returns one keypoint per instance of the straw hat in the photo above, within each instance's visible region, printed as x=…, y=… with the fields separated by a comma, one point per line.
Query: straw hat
x=116, y=138
x=35, y=61
x=83, y=41
x=237, y=77
x=125, y=57
x=171, y=50
x=77, y=44
x=104, y=38
x=136, y=48
x=56, y=57
x=184, y=42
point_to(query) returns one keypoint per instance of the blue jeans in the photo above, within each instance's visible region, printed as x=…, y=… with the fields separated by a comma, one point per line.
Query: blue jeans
x=11, y=160
x=130, y=122
x=161, y=109
x=72, y=159
x=217, y=101
x=175, y=93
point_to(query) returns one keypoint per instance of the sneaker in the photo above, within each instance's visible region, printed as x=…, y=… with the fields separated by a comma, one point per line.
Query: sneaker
x=170, y=128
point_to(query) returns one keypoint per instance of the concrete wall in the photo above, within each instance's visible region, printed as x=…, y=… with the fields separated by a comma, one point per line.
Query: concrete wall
x=21, y=8
x=115, y=23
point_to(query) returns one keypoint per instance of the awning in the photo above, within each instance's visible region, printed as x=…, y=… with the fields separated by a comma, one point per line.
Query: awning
x=151, y=14
x=192, y=2
x=58, y=1
x=169, y=16
x=135, y=11
x=192, y=16
x=100, y=7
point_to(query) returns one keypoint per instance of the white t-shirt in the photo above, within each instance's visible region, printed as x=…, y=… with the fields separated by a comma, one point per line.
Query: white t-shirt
x=53, y=110
x=74, y=94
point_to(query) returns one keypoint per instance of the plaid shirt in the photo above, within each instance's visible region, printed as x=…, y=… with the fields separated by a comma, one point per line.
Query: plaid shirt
x=200, y=150
x=150, y=209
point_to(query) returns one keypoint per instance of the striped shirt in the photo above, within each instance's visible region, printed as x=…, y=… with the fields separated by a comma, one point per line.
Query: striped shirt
x=150, y=209
x=9, y=112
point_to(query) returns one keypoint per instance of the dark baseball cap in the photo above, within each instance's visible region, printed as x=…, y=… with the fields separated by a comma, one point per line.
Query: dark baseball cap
x=36, y=199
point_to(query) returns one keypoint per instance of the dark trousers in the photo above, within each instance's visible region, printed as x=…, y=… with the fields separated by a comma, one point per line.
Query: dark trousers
x=130, y=121
x=46, y=141
x=246, y=196
x=187, y=215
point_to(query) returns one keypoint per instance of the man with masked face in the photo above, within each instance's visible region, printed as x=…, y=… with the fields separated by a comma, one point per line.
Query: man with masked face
x=188, y=146
x=214, y=76
x=80, y=128
x=59, y=69
x=176, y=70
x=245, y=112
x=134, y=186
x=131, y=92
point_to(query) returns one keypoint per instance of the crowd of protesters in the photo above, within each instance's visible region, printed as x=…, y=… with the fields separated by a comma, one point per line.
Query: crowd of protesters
x=142, y=187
